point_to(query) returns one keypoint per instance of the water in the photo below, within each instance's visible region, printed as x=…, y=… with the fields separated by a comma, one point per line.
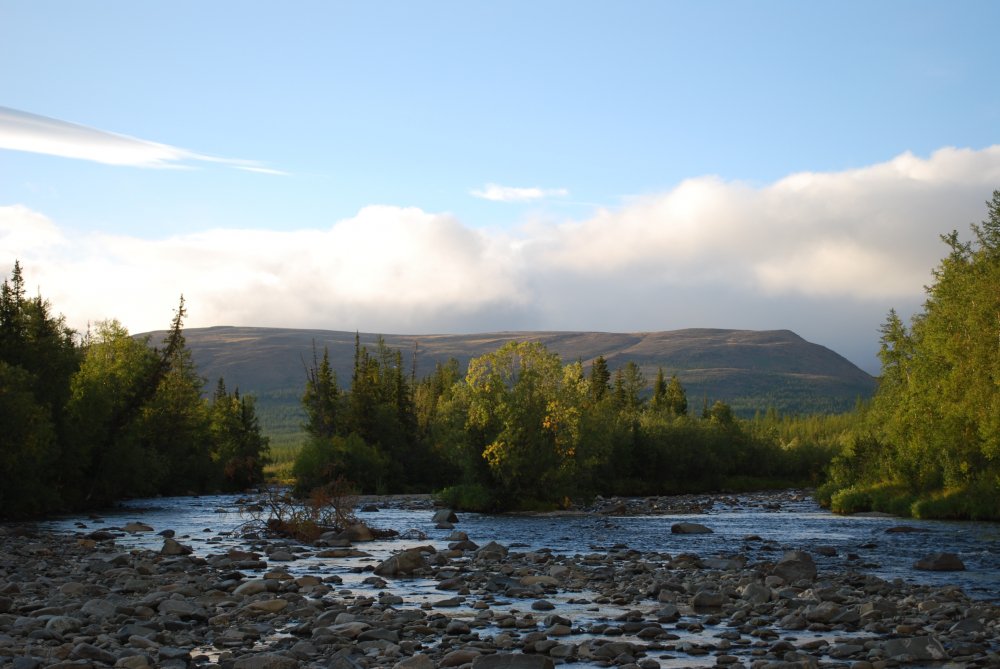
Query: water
x=781, y=521
x=758, y=527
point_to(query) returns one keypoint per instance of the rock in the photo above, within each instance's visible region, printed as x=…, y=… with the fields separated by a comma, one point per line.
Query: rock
x=101, y=609
x=268, y=605
x=512, y=661
x=174, y=547
x=796, y=566
x=457, y=658
x=904, y=529
x=253, y=587
x=689, y=528
x=920, y=649
x=756, y=593
x=62, y=625
x=369, y=508
x=706, y=599
x=135, y=528
x=418, y=661
x=940, y=562
x=180, y=608
x=491, y=552
x=265, y=661
x=445, y=516
x=359, y=532
x=401, y=564
x=86, y=651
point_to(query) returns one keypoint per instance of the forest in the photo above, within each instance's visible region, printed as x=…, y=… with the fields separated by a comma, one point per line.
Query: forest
x=88, y=420
x=94, y=418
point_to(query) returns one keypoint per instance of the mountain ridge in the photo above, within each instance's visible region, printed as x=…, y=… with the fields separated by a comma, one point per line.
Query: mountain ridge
x=752, y=370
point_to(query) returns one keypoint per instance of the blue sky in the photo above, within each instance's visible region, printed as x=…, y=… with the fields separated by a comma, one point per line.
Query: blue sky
x=433, y=167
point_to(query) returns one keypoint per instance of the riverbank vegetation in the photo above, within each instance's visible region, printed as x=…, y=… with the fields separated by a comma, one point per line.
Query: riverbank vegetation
x=89, y=420
x=522, y=430
x=92, y=420
x=929, y=444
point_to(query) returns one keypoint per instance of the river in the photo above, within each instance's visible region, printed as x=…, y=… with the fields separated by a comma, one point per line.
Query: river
x=759, y=526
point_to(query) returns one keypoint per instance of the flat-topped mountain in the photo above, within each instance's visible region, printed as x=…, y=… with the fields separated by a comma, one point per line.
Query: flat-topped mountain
x=750, y=370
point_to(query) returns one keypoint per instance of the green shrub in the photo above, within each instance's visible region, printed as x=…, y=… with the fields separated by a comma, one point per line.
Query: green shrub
x=468, y=497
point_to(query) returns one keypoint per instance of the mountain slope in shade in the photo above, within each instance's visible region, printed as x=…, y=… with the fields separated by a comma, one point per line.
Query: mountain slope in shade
x=751, y=370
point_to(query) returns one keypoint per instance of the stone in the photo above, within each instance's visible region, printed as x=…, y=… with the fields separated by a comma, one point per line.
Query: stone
x=707, y=599
x=491, y=552
x=268, y=605
x=689, y=528
x=756, y=593
x=921, y=649
x=174, y=547
x=445, y=516
x=418, y=661
x=253, y=587
x=178, y=607
x=62, y=624
x=796, y=566
x=86, y=651
x=457, y=658
x=940, y=562
x=359, y=532
x=401, y=564
x=512, y=661
x=101, y=609
x=265, y=661
x=136, y=528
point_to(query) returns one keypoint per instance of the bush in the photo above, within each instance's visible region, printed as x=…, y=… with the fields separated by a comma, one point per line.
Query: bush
x=979, y=500
x=884, y=497
x=468, y=497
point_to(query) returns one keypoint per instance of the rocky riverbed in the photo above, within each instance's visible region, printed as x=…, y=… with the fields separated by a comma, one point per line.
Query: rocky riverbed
x=91, y=600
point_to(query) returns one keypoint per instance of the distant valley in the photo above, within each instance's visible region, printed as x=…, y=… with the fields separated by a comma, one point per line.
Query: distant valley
x=750, y=370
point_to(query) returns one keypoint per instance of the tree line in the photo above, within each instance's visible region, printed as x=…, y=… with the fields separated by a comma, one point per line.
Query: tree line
x=88, y=420
x=929, y=444
x=519, y=429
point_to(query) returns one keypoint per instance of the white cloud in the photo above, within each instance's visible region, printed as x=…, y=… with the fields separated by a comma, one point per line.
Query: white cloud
x=498, y=193
x=824, y=254
x=23, y=131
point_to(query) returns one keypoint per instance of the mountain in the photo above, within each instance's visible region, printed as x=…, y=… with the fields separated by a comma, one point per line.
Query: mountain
x=751, y=370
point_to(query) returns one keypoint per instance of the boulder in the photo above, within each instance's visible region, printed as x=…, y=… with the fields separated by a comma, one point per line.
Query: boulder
x=689, y=528
x=491, y=552
x=445, y=516
x=359, y=532
x=136, y=527
x=706, y=599
x=940, y=562
x=796, y=566
x=174, y=547
x=401, y=564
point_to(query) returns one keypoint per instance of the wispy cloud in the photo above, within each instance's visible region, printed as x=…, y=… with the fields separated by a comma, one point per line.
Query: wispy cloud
x=824, y=254
x=33, y=133
x=498, y=193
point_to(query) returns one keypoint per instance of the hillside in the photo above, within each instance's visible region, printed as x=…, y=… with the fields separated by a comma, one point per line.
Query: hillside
x=751, y=370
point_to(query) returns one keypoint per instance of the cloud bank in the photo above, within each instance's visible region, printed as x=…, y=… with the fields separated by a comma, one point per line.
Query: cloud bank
x=23, y=131
x=824, y=254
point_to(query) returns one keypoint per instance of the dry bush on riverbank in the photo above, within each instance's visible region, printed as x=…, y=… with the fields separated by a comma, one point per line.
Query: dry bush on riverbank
x=276, y=512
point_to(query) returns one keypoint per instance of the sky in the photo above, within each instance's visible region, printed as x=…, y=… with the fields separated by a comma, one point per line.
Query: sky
x=457, y=167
